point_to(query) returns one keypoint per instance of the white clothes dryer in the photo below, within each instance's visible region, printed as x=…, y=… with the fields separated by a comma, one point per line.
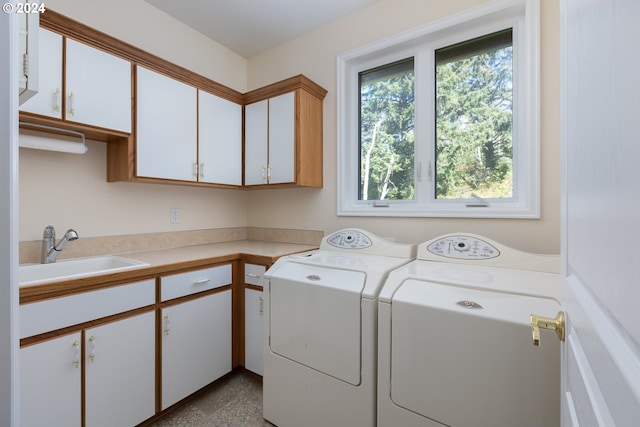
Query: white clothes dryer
x=320, y=330
x=455, y=344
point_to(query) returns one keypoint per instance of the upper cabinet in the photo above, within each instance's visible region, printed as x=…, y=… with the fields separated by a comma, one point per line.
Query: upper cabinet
x=186, y=134
x=166, y=127
x=166, y=124
x=95, y=88
x=219, y=140
x=283, y=134
x=48, y=100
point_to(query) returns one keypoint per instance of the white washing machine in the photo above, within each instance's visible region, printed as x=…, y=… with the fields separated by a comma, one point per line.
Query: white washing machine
x=320, y=330
x=455, y=345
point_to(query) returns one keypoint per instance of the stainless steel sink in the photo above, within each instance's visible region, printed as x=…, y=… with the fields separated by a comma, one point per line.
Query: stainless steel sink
x=31, y=274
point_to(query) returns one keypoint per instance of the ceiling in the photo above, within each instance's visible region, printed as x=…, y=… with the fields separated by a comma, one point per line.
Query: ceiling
x=249, y=27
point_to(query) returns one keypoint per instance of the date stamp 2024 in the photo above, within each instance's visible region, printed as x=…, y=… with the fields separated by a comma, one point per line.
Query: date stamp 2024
x=22, y=8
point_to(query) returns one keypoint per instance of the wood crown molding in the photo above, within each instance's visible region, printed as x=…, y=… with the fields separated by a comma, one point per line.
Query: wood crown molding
x=73, y=29
x=68, y=27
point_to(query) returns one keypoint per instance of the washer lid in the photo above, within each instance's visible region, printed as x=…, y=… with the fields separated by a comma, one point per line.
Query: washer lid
x=464, y=357
x=314, y=318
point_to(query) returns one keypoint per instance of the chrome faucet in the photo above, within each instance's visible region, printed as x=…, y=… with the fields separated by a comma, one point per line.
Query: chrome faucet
x=50, y=250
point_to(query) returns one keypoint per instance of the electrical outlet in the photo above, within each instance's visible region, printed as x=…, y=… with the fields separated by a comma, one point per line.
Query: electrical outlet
x=174, y=216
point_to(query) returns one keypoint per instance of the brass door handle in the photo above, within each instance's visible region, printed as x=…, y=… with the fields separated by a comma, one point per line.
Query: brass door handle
x=554, y=324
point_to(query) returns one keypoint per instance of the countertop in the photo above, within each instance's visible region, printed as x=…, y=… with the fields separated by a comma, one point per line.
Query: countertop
x=165, y=261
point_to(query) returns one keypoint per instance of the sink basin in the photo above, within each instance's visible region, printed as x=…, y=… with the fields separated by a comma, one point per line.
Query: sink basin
x=73, y=268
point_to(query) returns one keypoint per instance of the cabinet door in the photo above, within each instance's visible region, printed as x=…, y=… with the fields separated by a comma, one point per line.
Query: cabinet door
x=48, y=100
x=219, y=140
x=196, y=345
x=50, y=383
x=120, y=372
x=282, y=138
x=254, y=330
x=98, y=88
x=256, y=143
x=166, y=119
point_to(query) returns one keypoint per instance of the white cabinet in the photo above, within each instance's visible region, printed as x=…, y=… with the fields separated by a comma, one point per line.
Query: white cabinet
x=98, y=88
x=253, y=330
x=270, y=141
x=120, y=372
x=98, y=84
x=196, y=333
x=185, y=134
x=50, y=392
x=28, y=82
x=253, y=318
x=196, y=345
x=117, y=358
x=48, y=100
x=166, y=131
x=283, y=134
x=219, y=140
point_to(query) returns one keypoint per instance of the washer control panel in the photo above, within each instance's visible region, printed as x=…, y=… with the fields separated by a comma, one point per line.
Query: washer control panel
x=463, y=247
x=349, y=239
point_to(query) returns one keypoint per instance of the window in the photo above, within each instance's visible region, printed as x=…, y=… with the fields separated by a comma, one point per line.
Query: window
x=443, y=121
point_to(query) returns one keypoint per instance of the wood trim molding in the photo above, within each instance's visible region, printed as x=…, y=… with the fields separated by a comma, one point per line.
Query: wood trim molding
x=73, y=29
x=284, y=86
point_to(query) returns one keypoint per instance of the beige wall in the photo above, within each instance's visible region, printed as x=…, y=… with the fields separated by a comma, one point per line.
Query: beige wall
x=315, y=56
x=138, y=23
x=70, y=190
x=121, y=208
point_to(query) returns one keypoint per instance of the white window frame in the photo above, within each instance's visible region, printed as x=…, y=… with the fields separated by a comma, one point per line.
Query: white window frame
x=521, y=15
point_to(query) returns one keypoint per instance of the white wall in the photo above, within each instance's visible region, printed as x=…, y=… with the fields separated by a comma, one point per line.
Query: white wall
x=315, y=56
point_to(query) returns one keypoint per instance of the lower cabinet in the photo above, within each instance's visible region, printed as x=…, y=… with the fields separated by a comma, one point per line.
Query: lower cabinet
x=50, y=384
x=120, y=372
x=253, y=330
x=119, y=376
x=196, y=345
x=253, y=317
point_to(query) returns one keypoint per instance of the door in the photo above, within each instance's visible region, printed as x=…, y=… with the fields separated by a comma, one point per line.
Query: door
x=48, y=101
x=98, y=87
x=256, y=143
x=50, y=383
x=601, y=225
x=281, y=138
x=120, y=372
x=219, y=140
x=196, y=345
x=253, y=330
x=166, y=127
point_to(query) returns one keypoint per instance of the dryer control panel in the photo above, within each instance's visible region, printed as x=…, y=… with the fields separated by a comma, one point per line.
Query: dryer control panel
x=359, y=241
x=463, y=247
x=349, y=239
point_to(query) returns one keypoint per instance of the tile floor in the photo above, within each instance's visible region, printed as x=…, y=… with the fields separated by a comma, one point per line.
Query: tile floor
x=235, y=401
